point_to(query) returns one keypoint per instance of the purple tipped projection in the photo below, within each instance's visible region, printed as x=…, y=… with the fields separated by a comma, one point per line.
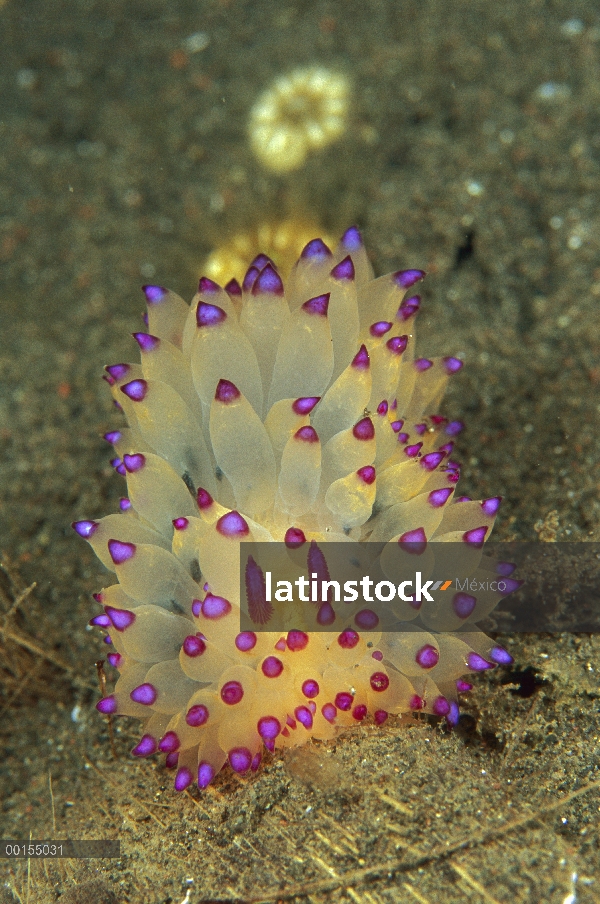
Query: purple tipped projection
x=380, y=328
x=249, y=278
x=268, y=282
x=413, y=542
x=501, y=656
x=113, y=437
x=325, y=615
x=233, y=289
x=364, y=430
x=193, y=646
x=197, y=715
x=232, y=525
x=382, y=408
x=361, y=360
x=214, y=607
x=422, y=364
x=208, y=286
x=227, y=392
x=407, y=278
x=206, y=773
x=316, y=251
x=317, y=305
x=145, y=694
x=297, y=640
x=304, y=716
x=438, y=498
x=463, y=687
x=475, y=537
x=108, y=705
x=307, y=435
x=454, y=428
x=268, y=727
x=146, y=341
x=367, y=474
x=344, y=270
x=117, y=371
x=204, y=498
x=352, y=239
x=246, y=641
x=464, y=604
x=343, y=701
x=134, y=462
x=366, y=620
x=509, y=585
x=145, y=747
x=120, y=552
x=491, y=506
x=154, y=294
x=120, y=619
x=408, y=308
x=100, y=621
x=180, y=523
x=115, y=659
x=427, y=657
x=478, y=664
x=294, y=537
x=85, y=529
x=454, y=714
x=397, y=426
x=329, y=712
x=136, y=390
x=240, y=759
x=413, y=451
x=452, y=365
x=310, y=688
x=397, y=344
x=305, y=405
x=441, y=706
x=505, y=568
x=209, y=314
x=261, y=261
x=432, y=460
x=169, y=743
x=183, y=779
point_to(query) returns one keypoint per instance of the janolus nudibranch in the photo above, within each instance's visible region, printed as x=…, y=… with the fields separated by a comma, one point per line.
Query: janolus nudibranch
x=266, y=412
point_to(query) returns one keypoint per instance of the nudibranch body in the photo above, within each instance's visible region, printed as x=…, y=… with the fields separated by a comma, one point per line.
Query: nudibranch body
x=301, y=112
x=294, y=413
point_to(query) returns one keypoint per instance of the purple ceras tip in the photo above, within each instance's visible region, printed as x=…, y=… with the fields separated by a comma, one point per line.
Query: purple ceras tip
x=204, y=498
x=352, y=239
x=146, y=342
x=233, y=524
x=268, y=727
x=477, y=663
x=180, y=523
x=206, y=773
x=208, y=286
x=240, y=759
x=226, y=392
x=215, y=607
x=454, y=428
x=364, y=429
x=209, y=315
x=407, y=278
x=431, y=461
x=261, y=261
x=304, y=716
x=408, y=308
x=397, y=344
x=316, y=250
x=272, y=667
x=463, y=604
x=145, y=747
x=246, y=641
x=307, y=435
x=113, y=437
x=183, y=779
x=297, y=640
x=380, y=328
x=145, y=694
x=344, y=270
x=250, y=278
x=85, y=529
x=136, y=390
x=440, y=706
x=413, y=541
x=134, y=462
x=453, y=714
x=475, y=537
x=305, y=404
x=268, y=281
x=317, y=305
x=100, y=621
x=501, y=656
x=193, y=646
x=491, y=506
x=438, y=498
x=422, y=364
x=361, y=360
x=154, y=294
x=427, y=657
x=366, y=474
x=120, y=619
x=108, y=705
x=121, y=552
x=452, y=365
x=117, y=371
x=197, y=715
x=412, y=451
x=169, y=743
x=233, y=288
x=294, y=537
x=382, y=408
x=366, y=620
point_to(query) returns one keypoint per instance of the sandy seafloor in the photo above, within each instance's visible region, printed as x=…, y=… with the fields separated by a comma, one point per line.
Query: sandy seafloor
x=472, y=150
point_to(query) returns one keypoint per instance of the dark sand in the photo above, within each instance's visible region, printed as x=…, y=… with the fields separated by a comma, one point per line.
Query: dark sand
x=474, y=151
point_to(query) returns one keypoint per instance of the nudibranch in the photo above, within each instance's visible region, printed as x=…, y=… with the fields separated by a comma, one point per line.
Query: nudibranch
x=301, y=112
x=271, y=412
